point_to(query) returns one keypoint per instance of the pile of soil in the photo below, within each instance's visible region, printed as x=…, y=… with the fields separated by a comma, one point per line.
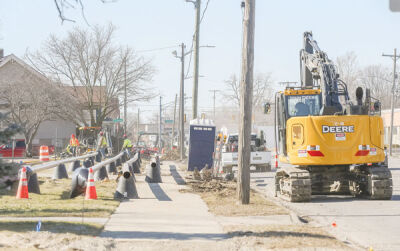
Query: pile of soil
x=218, y=187
x=171, y=155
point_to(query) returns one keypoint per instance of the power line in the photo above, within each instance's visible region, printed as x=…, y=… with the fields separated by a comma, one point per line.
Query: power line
x=190, y=59
x=157, y=49
x=204, y=11
x=191, y=46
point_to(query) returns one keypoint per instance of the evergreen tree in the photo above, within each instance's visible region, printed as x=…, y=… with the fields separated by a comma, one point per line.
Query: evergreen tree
x=8, y=171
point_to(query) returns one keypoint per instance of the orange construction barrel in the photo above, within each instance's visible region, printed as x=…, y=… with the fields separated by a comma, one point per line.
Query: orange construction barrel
x=44, y=153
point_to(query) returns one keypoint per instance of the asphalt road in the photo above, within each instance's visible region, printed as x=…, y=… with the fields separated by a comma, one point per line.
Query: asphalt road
x=368, y=223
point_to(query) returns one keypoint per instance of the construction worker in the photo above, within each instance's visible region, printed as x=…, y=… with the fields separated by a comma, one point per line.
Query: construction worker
x=127, y=143
x=73, y=143
x=102, y=144
x=68, y=149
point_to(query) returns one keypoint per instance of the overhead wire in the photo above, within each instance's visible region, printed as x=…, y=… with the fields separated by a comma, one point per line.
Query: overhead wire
x=158, y=49
x=191, y=47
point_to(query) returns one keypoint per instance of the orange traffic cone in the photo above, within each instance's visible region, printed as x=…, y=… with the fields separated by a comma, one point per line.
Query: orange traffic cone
x=22, y=192
x=90, y=188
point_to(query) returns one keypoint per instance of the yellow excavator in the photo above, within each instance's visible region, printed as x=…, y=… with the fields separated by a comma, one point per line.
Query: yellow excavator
x=326, y=143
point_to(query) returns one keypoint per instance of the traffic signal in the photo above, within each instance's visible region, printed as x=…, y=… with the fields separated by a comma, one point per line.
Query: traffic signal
x=267, y=108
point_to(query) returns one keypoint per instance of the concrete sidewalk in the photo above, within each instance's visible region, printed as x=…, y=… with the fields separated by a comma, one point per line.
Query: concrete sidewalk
x=163, y=213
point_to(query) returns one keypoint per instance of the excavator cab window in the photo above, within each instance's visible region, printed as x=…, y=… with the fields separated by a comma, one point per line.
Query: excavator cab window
x=303, y=105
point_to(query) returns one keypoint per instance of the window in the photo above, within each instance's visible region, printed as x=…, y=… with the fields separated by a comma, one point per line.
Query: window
x=303, y=105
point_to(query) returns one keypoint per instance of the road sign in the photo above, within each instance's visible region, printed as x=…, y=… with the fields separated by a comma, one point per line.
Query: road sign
x=169, y=121
x=118, y=120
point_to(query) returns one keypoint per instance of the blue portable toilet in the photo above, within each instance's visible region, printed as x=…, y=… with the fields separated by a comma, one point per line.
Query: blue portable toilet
x=201, y=143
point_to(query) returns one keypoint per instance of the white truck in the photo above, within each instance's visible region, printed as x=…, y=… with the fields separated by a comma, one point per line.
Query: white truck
x=260, y=158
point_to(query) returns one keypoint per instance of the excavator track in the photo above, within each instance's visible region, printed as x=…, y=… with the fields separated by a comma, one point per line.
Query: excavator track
x=372, y=182
x=293, y=184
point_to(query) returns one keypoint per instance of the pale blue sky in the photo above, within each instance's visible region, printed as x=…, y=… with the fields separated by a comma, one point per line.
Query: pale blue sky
x=364, y=26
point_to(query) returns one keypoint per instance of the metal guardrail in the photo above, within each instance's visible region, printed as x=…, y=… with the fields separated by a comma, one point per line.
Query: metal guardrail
x=106, y=162
x=48, y=165
x=130, y=161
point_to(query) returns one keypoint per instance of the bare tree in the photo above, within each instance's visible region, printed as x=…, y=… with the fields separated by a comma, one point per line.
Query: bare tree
x=63, y=5
x=31, y=100
x=349, y=71
x=132, y=125
x=377, y=79
x=94, y=67
x=262, y=90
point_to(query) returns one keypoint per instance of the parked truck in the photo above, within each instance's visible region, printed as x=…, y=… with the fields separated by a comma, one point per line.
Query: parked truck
x=260, y=158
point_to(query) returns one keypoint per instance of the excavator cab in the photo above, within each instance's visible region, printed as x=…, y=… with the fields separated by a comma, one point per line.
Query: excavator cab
x=303, y=102
x=295, y=102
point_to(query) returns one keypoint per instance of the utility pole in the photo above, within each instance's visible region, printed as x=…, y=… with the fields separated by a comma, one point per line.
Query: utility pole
x=173, y=125
x=246, y=96
x=214, y=91
x=196, y=40
x=138, y=123
x=125, y=103
x=182, y=101
x=159, y=129
x=394, y=57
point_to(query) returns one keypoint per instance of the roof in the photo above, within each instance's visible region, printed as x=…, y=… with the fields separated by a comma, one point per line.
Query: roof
x=99, y=93
x=12, y=58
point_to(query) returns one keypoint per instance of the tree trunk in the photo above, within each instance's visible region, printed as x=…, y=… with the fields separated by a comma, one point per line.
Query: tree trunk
x=29, y=138
x=92, y=118
x=28, y=145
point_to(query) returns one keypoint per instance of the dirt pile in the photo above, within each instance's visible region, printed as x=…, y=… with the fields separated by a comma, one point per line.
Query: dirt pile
x=218, y=187
x=171, y=155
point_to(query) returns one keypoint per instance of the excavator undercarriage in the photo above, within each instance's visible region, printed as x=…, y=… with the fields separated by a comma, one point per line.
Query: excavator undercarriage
x=297, y=184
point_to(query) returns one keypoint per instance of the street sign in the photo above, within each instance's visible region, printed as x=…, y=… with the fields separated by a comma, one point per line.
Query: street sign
x=118, y=120
x=169, y=121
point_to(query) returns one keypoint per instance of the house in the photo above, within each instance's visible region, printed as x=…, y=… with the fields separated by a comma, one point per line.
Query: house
x=55, y=131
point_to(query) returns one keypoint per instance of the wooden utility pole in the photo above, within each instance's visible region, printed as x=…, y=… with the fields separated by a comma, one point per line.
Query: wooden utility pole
x=159, y=129
x=182, y=105
x=394, y=57
x=196, y=60
x=182, y=101
x=138, y=123
x=173, y=125
x=125, y=103
x=196, y=46
x=246, y=96
x=214, y=91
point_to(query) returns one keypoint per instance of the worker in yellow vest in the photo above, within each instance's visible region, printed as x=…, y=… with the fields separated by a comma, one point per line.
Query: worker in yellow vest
x=127, y=143
x=102, y=144
x=73, y=143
